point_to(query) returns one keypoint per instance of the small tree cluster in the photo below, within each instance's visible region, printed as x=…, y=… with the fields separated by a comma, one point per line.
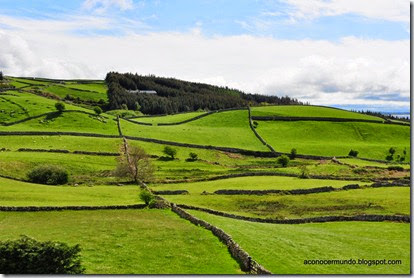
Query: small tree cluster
x=98, y=110
x=48, y=174
x=1, y=76
x=192, y=157
x=146, y=196
x=28, y=256
x=390, y=156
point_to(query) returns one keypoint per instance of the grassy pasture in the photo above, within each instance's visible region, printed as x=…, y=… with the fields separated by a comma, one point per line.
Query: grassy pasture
x=127, y=241
x=71, y=143
x=253, y=183
x=17, y=193
x=82, y=168
x=352, y=202
x=68, y=121
x=283, y=248
x=169, y=118
x=11, y=108
x=29, y=81
x=227, y=129
x=364, y=163
x=335, y=139
x=309, y=111
x=63, y=91
x=99, y=87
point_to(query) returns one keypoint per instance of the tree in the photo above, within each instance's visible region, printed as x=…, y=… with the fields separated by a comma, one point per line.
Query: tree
x=28, y=256
x=390, y=156
x=283, y=160
x=1, y=75
x=60, y=106
x=304, y=172
x=134, y=163
x=293, y=153
x=171, y=152
x=48, y=174
x=98, y=110
x=391, y=151
x=146, y=196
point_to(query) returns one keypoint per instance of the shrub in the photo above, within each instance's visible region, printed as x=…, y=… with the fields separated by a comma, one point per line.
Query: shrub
x=97, y=110
x=60, y=106
x=28, y=256
x=389, y=157
x=1, y=75
x=255, y=124
x=353, y=153
x=283, y=160
x=48, y=174
x=146, y=196
x=293, y=153
x=192, y=156
x=171, y=152
x=391, y=151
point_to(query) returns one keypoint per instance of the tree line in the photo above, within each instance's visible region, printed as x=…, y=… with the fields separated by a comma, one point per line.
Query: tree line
x=174, y=96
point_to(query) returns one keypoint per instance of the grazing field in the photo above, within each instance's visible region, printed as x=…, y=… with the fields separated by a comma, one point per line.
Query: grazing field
x=127, y=241
x=68, y=121
x=158, y=241
x=20, y=105
x=63, y=91
x=70, y=143
x=309, y=111
x=283, y=248
x=169, y=118
x=386, y=200
x=254, y=183
x=336, y=139
x=17, y=193
x=226, y=129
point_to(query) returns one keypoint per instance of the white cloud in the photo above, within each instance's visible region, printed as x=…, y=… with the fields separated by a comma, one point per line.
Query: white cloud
x=351, y=71
x=101, y=6
x=392, y=10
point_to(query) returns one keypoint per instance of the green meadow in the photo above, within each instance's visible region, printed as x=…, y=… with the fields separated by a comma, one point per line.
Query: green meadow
x=158, y=241
x=283, y=248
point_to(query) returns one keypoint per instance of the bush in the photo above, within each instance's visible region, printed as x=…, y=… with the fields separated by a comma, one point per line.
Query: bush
x=1, y=75
x=283, y=160
x=293, y=153
x=28, y=256
x=192, y=157
x=48, y=174
x=60, y=106
x=98, y=110
x=171, y=152
x=146, y=196
x=353, y=153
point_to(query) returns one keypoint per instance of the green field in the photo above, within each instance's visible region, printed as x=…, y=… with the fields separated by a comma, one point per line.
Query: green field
x=335, y=139
x=157, y=241
x=394, y=200
x=309, y=111
x=127, y=241
x=254, y=183
x=169, y=118
x=17, y=193
x=226, y=129
x=283, y=248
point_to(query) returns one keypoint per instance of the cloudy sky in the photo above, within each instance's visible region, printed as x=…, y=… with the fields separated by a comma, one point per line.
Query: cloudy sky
x=345, y=53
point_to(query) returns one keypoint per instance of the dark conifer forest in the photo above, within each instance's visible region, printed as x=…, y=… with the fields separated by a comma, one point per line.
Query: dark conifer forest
x=174, y=96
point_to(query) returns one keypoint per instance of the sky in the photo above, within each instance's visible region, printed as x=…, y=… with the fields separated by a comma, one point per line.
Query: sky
x=353, y=54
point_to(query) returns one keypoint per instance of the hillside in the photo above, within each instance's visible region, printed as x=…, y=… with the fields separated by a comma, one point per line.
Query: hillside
x=227, y=171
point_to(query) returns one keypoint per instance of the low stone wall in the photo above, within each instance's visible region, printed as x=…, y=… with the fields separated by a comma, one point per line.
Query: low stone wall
x=321, y=219
x=275, y=191
x=242, y=257
x=56, y=133
x=258, y=135
x=43, y=150
x=60, y=208
x=170, y=192
x=96, y=153
x=323, y=119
